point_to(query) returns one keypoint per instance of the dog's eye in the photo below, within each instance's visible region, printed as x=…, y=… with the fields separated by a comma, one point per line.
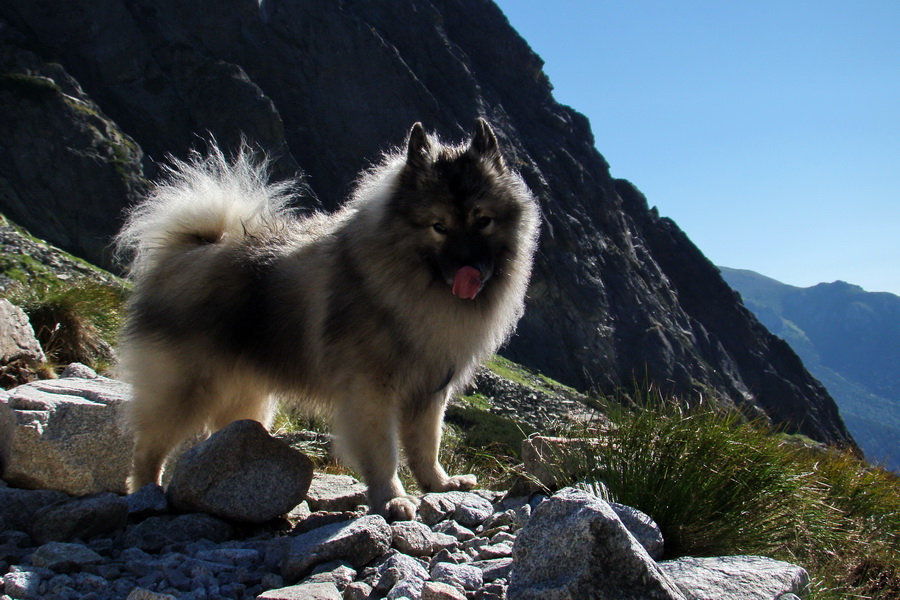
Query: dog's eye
x=483, y=222
x=439, y=227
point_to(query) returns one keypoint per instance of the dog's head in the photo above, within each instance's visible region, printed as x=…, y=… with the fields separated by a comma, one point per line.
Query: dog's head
x=465, y=208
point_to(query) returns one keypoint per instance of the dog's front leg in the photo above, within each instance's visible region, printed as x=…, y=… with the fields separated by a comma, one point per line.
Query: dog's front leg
x=420, y=429
x=366, y=427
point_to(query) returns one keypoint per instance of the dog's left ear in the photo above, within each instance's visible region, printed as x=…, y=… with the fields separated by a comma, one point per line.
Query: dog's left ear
x=418, y=148
x=484, y=144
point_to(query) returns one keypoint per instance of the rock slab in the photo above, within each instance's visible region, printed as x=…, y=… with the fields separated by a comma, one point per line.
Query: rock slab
x=241, y=473
x=66, y=435
x=736, y=578
x=357, y=541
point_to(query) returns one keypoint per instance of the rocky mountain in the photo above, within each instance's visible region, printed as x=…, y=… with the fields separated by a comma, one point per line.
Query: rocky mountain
x=849, y=339
x=96, y=94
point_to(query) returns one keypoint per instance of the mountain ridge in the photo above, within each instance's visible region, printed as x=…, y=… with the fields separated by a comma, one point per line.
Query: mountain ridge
x=847, y=337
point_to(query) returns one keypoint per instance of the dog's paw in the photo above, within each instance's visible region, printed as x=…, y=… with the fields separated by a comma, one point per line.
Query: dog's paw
x=402, y=508
x=459, y=483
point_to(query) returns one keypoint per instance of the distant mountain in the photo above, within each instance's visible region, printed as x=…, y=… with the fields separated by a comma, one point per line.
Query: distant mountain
x=849, y=339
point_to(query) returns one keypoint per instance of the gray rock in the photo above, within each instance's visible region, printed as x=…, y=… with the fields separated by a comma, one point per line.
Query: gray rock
x=417, y=539
x=67, y=436
x=340, y=573
x=335, y=493
x=155, y=533
x=397, y=569
x=358, y=590
x=22, y=584
x=79, y=370
x=643, y=528
x=64, y=558
x=467, y=508
x=17, y=507
x=81, y=518
x=463, y=576
x=736, y=578
x=17, y=341
x=494, y=569
x=491, y=591
x=575, y=546
x=455, y=529
x=408, y=589
x=139, y=593
x=148, y=501
x=434, y=590
x=241, y=473
x=357, y=541
x=303, y=591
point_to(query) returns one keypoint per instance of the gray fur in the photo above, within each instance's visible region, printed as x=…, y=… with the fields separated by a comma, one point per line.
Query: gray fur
x=239, y=305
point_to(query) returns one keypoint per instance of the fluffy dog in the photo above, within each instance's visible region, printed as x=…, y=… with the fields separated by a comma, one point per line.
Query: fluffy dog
x=376, y=313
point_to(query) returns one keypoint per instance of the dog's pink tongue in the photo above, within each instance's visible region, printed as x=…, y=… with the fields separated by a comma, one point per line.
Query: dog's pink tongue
x=467, y=282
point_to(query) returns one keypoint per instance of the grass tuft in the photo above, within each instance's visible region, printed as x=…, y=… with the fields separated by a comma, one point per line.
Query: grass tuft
x=719, y=485
x=74, y=322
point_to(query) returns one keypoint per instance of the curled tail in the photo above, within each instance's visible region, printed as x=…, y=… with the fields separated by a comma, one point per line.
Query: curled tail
x=206, y=199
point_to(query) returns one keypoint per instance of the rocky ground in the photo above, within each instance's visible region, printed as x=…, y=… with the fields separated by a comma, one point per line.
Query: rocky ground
x=463, y=545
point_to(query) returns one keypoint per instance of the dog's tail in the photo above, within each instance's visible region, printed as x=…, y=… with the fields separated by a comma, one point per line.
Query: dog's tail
x=206, y=199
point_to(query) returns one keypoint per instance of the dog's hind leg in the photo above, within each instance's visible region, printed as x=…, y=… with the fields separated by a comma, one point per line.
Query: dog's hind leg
x=157, y=433
x=168, y=406
x=420, y=430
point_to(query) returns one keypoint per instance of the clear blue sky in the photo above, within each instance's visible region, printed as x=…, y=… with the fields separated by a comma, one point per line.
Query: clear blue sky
x=768, y=130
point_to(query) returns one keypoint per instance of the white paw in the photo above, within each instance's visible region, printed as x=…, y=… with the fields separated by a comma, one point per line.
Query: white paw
x=462, y=483
x=402, y=508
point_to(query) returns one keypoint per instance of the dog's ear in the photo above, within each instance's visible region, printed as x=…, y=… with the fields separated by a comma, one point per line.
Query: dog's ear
x=418, y=148
x=484, y=144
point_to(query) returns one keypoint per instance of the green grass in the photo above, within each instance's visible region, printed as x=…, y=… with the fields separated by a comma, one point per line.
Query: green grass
x=719, y=485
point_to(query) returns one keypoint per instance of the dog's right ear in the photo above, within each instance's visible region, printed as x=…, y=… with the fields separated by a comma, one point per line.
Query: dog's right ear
x=418, y=148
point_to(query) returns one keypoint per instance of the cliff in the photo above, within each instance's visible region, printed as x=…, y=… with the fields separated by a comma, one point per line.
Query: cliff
x=95, y=95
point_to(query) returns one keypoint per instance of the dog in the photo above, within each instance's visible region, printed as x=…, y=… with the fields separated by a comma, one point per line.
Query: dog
x=376, y=313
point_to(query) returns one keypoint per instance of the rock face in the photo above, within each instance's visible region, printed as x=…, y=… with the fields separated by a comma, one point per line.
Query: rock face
x=617, y=293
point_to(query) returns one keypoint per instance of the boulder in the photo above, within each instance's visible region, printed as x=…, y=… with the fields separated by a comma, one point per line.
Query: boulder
x=17, y=341
x=241, y=473
x=66, y=435
x=736, y=578
x=575, y=546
